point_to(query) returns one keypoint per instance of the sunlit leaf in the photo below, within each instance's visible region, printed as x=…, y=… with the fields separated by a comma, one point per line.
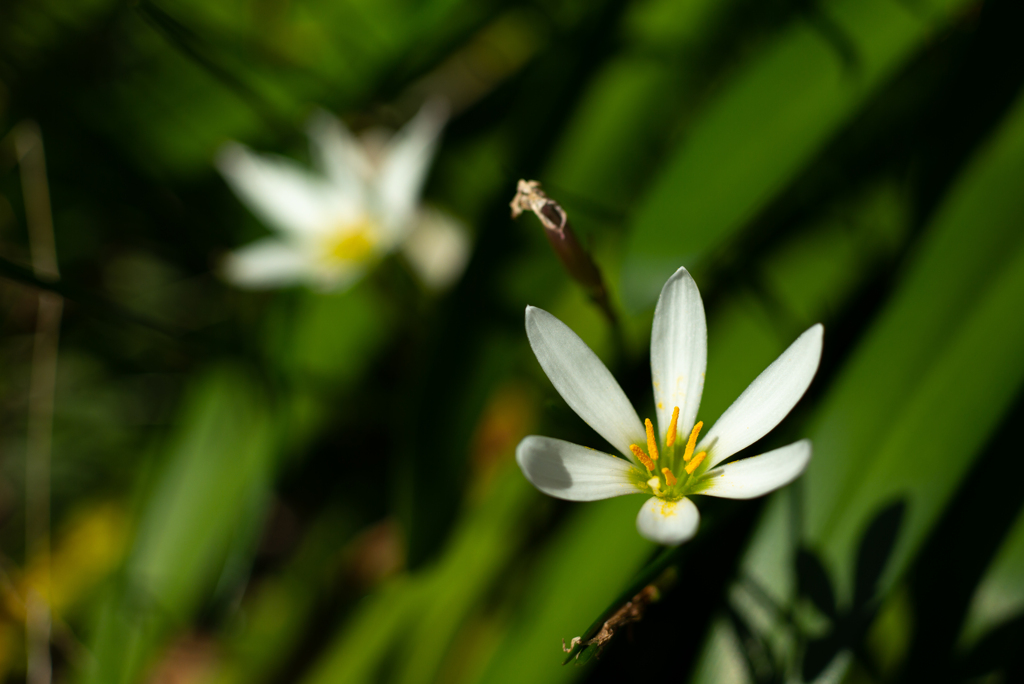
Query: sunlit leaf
x=1000, y=594
x=583, y=568
x=766, y=124
x=411, y=621
x=207, y=499
x=937, y=371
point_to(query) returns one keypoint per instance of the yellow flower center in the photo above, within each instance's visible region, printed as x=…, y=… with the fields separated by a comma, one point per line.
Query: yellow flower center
x=663, y=482
x=352, y=242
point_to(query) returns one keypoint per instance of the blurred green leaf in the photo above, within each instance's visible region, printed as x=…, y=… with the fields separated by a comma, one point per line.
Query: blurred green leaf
x=328, y=339
x=406, y=627
x=937, y=371
x=359, y=652
x=1000, y=594
x=480, y=551
x=205, y=501
x=767, y=123
x=921, y=393
x=583, y=568
x=465, y=365
x=273, y=621
x=613, y=128
x=812, y=276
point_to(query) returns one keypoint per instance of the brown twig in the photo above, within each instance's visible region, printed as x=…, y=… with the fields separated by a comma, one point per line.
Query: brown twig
x=630, y=612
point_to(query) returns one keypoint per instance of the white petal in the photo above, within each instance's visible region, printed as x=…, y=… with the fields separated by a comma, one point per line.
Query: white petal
x=406, y=162
x=583, y=381
x=437, y=249
x=668, y=522
x=573, y=472
x=280, y=192
x=338, y=154
x=266, y=264
x=271, y=263
x=756, y=476
x=767, y=400
x=679, y=352
x=337, y=277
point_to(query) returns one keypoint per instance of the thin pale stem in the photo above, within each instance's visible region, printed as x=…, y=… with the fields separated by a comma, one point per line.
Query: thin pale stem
x=28, y=144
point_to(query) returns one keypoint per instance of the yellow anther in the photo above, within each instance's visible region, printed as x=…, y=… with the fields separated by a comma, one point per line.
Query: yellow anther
x=652, y=443
x=692, y=442
x=670, y=438
x=695, y=463
x=641, y=456
x=670, y=479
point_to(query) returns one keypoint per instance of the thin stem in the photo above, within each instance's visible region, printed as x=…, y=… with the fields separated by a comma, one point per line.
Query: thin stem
x=28, y=145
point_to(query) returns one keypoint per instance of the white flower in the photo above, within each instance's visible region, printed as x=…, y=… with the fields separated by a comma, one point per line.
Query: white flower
x=363, y=203
x=671, y=464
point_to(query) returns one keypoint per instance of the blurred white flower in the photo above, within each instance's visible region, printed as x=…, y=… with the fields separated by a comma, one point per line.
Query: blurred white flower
x=361, y=204
x=670, y=469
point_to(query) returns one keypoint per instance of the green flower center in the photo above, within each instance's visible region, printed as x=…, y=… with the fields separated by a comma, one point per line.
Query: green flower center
x=673, y=472
x=352, y=242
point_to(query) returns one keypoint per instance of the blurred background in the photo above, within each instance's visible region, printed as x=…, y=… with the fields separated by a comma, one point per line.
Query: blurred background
x=205, y=484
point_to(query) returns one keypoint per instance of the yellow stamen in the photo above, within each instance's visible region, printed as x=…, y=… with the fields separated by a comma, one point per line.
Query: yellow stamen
x=692, y=442
x=652, y=443
x=695, y=463
x=670, y=479
x=670, y=439
x=641, y=456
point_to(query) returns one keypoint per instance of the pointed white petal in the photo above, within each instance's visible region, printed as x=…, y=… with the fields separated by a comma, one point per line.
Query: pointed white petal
x=668, y=522
x=437, y=248
x=751, y=477
x=339, y=155
x=280, y=192
x=583, y=381
x=573, y=472
x=679, y=352
x=767, y=400
x=405, y=164
x=266, y=264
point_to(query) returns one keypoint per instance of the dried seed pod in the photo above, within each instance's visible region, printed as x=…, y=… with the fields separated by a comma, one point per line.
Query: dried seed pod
x=575, y=259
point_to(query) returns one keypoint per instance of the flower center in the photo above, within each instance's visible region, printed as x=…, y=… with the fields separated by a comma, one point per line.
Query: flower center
x=664, y=482
x=351, y=242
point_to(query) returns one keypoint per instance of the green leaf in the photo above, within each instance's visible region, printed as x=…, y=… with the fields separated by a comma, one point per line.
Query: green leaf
x=1000, y=594
x=274, y=617
x=767, y=123
x=326, y=339
x=481, y=549
x=583, y=568
x=410, y=623
x=358, y=652
x=206, y=503
x=920, y=394
x=936, y=372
